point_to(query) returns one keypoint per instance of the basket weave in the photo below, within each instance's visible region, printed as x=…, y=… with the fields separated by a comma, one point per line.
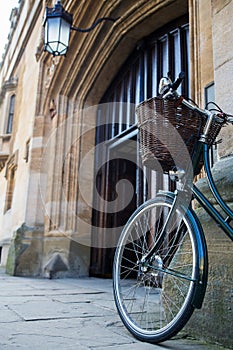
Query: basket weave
x=156, y=118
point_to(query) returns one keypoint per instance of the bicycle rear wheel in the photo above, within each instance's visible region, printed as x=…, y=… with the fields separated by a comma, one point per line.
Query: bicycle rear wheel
x=154, y=298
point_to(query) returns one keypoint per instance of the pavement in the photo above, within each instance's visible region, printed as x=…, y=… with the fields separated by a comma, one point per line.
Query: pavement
x=64, y=314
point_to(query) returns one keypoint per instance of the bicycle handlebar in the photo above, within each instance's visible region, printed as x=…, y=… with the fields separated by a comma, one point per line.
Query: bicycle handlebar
x=173, y=94
x=204, y=112
x=229, y=118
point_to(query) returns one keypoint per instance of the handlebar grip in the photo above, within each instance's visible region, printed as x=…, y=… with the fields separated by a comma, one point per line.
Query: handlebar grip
x=178, y=81
x=229, y=118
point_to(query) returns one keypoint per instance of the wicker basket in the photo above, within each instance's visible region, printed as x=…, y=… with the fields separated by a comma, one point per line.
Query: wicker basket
x=157, y=119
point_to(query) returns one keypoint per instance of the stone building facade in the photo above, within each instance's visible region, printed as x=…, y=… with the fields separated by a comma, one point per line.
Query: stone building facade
x=51, y=218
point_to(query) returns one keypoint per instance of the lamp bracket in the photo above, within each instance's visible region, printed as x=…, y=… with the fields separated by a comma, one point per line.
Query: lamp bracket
x=94, y=24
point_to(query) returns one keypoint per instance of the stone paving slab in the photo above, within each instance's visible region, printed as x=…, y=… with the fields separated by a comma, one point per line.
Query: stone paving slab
x=8, y=316
x=68, y=314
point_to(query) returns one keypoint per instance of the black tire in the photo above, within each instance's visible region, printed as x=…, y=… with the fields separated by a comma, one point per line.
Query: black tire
x=154, y=301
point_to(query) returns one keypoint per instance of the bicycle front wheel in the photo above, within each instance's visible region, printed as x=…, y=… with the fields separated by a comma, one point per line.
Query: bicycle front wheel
x=154, y=297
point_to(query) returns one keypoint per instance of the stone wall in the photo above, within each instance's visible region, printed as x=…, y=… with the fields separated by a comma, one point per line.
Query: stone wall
x=19, y=72
x=214, y=321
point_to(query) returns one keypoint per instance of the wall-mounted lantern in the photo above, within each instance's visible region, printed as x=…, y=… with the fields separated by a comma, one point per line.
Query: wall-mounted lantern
x=58, y=24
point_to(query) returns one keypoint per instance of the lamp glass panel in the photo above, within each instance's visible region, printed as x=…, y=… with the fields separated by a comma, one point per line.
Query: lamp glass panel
x=61, y=49
x=53, y=47
x=65, y=32
x=53, y=29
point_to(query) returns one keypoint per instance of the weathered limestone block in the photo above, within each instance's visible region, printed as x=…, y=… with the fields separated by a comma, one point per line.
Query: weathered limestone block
x=214, y=321
x=223, y=177
x=56, y=264
x=64, y=256
x=24, y=257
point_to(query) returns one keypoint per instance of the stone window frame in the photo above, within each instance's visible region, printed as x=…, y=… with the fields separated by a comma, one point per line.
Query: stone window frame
x=8, y=92
x=11, y=111
x=10, y=177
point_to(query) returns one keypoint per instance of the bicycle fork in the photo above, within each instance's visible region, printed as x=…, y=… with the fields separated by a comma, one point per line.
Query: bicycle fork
x=157, y=244
x=180, y=199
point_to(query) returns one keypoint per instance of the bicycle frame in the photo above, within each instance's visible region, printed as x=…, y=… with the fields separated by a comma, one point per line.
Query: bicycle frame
x=176, y=196
x=203, y=149
x=200, y=197
x=205, y=203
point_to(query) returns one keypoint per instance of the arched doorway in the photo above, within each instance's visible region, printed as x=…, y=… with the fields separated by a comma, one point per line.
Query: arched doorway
x=165, y=50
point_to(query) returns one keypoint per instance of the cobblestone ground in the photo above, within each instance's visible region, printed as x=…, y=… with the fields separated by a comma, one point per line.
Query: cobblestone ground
x=68, y=314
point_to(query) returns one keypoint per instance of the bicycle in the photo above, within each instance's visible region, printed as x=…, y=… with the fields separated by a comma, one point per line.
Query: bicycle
x=160, y=268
